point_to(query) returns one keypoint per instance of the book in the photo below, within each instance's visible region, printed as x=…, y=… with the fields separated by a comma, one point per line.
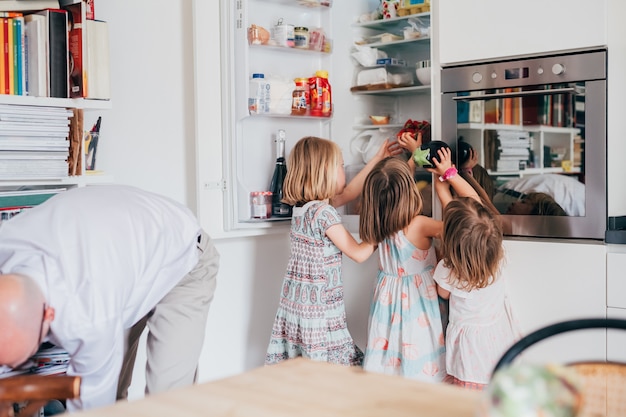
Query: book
x=5, y=55
x=58, y=55
x=37, y=53
x=493, y=109
x=77, y=15
x=88, y=3
x=21, y=198
x=97, y=63
x=27, y=5
x=18, y=55
x=9, y=54
x=2, y=58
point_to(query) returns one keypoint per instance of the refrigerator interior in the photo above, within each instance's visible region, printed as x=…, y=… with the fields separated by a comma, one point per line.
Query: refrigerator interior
x=250, y=150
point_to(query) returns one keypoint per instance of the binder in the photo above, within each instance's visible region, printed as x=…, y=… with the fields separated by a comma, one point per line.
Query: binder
x=58, y=56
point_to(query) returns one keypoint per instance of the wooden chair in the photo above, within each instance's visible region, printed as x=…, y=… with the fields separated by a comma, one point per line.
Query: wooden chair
x=36, y=391
x=604, y=383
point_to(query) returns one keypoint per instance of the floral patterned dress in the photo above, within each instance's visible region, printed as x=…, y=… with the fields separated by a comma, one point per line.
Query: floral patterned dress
x=405, y=329
x=311, y=317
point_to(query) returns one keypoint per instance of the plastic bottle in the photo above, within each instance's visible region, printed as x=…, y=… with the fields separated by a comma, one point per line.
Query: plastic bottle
x=299, y=102
x=258, y=101
x=320, y=94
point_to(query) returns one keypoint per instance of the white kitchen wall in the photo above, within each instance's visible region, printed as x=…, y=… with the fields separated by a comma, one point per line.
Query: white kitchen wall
x=148, y=140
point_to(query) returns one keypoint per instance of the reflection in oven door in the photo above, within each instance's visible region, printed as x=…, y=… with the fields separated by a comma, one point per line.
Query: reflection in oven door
x=535, y=128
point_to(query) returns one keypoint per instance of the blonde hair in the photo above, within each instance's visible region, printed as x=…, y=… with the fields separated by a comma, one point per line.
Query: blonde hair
x=311, y=171
x=471, y=243
x=389, y=202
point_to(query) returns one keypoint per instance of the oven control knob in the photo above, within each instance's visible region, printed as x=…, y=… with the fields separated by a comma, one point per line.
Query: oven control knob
x=558, y=69
x=477, y=77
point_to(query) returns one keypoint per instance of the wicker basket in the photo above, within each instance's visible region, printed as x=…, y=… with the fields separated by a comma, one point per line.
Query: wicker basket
x=604, y=392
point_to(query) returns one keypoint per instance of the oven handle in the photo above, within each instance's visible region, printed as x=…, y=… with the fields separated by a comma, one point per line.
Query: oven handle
x=569, y=90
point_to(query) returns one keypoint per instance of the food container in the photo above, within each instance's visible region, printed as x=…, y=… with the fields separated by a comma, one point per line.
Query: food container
x=260, y=204
x=301, y=37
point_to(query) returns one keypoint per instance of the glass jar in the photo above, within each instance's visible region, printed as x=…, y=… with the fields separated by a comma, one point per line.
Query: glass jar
x=300, y=99
x=301, y=37
x=260, y=204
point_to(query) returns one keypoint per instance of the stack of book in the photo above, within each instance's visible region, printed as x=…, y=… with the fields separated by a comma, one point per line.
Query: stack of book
x=33, y=142
x=15, y=200
x=513, y=150
x=57, y=51
x=49, y=360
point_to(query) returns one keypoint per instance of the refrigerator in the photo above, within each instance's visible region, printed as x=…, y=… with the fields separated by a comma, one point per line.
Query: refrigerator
x=370, y=50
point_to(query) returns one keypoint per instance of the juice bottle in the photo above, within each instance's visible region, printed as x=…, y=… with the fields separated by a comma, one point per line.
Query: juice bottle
x=320, y=94
x=300, y=100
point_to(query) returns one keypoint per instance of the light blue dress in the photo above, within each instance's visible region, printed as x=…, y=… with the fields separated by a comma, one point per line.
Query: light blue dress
x=405, y=334
x=311, y=317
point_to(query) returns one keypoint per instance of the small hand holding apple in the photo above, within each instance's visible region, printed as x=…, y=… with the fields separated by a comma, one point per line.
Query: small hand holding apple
x=410, y=141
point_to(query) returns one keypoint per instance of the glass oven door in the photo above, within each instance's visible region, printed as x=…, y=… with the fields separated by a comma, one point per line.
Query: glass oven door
x=533, y=133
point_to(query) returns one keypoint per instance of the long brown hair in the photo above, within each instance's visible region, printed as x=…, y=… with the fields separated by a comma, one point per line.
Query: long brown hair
x=311, y=171
x=471, y=243
x=389, y=202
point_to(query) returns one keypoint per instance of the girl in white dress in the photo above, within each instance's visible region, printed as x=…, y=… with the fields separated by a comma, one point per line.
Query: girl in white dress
x=480, y=326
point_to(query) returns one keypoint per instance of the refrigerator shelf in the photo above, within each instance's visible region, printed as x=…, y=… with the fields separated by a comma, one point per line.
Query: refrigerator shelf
x=289, y=116
x=397, y=22
x=323, y=4
x=288, y=49
x=397, y=91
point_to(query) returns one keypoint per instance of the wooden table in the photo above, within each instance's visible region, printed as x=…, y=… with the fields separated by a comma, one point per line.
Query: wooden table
x=300, y=387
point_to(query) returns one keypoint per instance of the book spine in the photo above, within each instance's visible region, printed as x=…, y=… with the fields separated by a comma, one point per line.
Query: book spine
x=2, y=58
x=58, y=53
x=77, y=16
x=26, y=61
x=17, y=56
x=11, y=58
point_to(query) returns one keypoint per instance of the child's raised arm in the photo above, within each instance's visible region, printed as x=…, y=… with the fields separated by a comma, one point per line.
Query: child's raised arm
x=449, y=176
x=358, y=252
x=354, y=188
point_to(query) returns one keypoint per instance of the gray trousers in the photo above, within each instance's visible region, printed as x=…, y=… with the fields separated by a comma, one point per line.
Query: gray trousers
x=176, y=327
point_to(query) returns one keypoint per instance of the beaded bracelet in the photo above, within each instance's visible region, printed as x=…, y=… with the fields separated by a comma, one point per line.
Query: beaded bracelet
x=450, y=173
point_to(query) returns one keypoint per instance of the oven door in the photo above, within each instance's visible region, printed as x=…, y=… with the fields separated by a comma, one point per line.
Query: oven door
x=537, y=126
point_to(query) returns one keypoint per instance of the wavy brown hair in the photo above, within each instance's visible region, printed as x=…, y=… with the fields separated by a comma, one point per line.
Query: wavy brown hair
x=311, y=171
x=544, y=204
x=471, y=243
x=389, y=202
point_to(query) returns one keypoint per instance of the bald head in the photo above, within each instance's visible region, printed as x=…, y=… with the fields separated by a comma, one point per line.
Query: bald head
x=21, y=315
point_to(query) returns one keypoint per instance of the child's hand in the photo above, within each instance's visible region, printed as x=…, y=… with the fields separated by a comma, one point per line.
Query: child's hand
x=410, y=141
x=388, y=148
x=472, y=161
x=442, y=162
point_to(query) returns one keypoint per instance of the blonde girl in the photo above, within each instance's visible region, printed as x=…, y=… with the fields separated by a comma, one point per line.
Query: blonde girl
x=405, y=334
x=311, y=318
x=480, y=326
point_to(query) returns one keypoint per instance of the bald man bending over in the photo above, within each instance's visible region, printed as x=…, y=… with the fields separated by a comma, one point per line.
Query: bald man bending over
x=89, y=269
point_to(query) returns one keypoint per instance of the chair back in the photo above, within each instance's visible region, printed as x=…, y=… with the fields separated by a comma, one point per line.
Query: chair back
x=604, y=383
x=36, y=390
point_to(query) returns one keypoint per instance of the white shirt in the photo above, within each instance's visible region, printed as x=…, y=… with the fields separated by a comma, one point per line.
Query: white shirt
x=481, y=327
x=104, y=256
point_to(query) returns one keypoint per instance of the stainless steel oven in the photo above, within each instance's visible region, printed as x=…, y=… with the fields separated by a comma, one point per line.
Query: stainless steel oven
x=538, y=127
